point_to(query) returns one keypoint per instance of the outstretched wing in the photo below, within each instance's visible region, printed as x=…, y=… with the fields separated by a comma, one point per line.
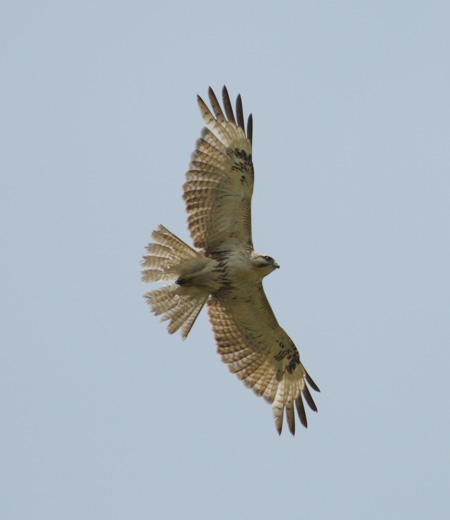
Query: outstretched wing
x=219, y=183
x=260, y=352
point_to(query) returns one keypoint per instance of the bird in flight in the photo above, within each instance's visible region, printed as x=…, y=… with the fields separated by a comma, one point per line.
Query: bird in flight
x=224, y=271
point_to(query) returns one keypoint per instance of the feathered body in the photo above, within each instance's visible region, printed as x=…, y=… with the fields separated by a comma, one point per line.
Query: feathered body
x=227, y=273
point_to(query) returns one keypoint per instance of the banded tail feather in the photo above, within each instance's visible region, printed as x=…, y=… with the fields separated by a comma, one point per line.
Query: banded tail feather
x=170, y=259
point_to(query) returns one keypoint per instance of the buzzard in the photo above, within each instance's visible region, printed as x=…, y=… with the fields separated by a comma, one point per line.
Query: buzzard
x=226, y=273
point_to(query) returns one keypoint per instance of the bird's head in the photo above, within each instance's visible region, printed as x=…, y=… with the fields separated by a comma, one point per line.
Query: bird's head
x=263, y=264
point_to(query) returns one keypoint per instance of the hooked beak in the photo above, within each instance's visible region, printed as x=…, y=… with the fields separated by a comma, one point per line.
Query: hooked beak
x=277, y=266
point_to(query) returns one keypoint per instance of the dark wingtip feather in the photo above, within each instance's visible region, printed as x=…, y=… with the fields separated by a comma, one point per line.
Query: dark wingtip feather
x=202, y=105
x=309, y=399
x=301, y=411
x=216, y=105
x=290, y=417
x=240, y=113
x=227, y=105
x=311, y=382
x=250, y=128
x=279, y=423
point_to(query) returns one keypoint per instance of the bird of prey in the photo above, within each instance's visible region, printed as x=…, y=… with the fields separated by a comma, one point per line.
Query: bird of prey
x=224, y=271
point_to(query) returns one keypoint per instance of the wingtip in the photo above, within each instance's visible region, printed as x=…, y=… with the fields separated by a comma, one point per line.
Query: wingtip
x=279, y=422
x=200, y=102
x=309, y=379
x=301, y=411
x=250, y=128
x=308, y=398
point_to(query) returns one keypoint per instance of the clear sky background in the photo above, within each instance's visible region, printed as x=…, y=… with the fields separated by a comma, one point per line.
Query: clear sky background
x=104, y=415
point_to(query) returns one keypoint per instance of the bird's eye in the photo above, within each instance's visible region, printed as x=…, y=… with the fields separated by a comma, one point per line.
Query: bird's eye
x=268, y=258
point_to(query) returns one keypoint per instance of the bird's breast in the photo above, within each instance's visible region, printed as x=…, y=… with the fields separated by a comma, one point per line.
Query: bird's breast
x=235, y=269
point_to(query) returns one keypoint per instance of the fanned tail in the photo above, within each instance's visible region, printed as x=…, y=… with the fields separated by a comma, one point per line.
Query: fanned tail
x=180, y=305
x=170, y=259
x=165, y=256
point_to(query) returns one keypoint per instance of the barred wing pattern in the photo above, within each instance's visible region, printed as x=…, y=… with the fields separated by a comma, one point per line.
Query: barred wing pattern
x=219, y=183
x=260, y=352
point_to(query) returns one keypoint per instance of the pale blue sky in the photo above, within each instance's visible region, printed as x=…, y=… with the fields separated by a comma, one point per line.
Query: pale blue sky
x=104, y=415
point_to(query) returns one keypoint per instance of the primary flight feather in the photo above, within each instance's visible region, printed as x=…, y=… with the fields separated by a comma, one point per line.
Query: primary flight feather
x=227, y=273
